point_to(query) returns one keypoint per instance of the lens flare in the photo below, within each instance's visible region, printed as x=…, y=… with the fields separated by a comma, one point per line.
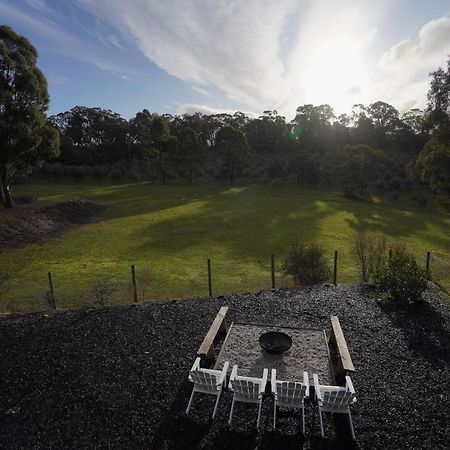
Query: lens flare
x=296, y=131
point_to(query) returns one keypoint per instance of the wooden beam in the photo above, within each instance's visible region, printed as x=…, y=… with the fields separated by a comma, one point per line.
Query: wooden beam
x=345, y=363
x=219, y=325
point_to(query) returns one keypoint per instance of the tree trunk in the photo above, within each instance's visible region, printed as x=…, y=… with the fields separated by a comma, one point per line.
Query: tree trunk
x=2, y=197
x=5, y=195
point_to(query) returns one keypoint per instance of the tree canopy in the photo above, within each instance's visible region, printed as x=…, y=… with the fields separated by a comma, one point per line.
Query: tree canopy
x=433, y=163
x=26, y=138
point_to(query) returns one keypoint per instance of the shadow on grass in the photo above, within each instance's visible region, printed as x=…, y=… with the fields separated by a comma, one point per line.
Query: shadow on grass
x=396, y=222
x=246, y=223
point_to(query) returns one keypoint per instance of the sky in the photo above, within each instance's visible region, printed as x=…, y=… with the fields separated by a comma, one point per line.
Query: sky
x=183, y=56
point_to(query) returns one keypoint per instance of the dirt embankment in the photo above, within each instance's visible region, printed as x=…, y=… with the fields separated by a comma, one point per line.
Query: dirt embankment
x=27, y=225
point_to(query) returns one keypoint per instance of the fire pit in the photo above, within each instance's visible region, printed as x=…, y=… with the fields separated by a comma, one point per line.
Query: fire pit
x=275, y=342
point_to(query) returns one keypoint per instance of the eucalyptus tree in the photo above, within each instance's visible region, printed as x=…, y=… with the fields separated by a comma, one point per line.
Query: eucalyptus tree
x=26, y=137
x=233, y=151
x=438, y=111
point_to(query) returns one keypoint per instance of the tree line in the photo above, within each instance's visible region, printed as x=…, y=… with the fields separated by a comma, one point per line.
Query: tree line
x=372, y=147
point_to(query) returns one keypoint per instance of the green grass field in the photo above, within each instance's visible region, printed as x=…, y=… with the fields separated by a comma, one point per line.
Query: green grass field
x=172, y=230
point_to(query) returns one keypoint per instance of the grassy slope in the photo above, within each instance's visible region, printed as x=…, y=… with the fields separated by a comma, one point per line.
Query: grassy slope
x=174, y=229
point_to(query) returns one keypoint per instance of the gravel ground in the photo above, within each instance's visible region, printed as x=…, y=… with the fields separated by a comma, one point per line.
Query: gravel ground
x=117, y=377
x=308, y=352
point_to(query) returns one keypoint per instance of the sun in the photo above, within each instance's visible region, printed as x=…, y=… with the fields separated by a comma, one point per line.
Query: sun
x=334, y=73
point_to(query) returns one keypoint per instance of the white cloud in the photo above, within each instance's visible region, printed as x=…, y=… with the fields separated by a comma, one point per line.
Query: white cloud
x=37, y=4
x=202, y=91
x=191, y=108
x=230, y=44
x=261, y=54
x=65, y=43
x=55, y=79
x=330, y=60
x=403, y=70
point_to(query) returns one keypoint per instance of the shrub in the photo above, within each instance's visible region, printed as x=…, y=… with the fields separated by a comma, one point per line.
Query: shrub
x=370, y=249
x=402, y=279
x=102, y=290
x=306, y=264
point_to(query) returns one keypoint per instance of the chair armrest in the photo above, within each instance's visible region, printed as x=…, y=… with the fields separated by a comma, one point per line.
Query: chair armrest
x=349, y=384
x=273, y=380
x=306, y=383
x=196, y=364
x=264, y=380
x=317, y=387
x=233, y=375
x=223, y=373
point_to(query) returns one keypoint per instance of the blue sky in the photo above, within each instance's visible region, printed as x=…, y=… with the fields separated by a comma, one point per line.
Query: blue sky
x=226, y=55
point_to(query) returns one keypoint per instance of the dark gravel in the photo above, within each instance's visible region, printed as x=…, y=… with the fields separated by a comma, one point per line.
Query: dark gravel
x=117, y=377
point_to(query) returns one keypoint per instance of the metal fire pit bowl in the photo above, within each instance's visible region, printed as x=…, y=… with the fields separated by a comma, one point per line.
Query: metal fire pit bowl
x=275, y=342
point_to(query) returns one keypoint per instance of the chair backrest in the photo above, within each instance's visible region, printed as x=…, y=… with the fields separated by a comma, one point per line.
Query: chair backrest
x=337, y=400
x=289, y=392
x=205, y=380
x=245, y=389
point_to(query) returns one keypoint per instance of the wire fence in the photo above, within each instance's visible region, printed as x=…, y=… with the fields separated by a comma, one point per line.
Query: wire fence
x=440, y=269
x=62, y=288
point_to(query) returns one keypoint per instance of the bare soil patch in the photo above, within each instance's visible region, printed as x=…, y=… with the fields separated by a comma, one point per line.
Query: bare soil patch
x=27, y=225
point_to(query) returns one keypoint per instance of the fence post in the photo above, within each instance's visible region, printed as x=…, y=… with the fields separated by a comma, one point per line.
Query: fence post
x=209, y=278
x=272, y=262
x=427, y=266
x=390, y=254
x=52, y=291
x=133, y=280
x=335, y=267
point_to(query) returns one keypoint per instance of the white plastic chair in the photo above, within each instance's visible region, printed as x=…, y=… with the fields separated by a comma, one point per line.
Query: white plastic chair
x=335, y=399
x=247, y=390
x=207, y=381
x=289, y=394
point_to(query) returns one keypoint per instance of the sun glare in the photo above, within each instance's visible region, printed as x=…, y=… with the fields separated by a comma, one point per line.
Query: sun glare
x=334, y=73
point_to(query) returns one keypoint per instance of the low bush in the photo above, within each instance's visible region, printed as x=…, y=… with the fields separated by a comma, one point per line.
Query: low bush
x=306, y=264
x=402, y=279
x=370, y=250
x=102, y=291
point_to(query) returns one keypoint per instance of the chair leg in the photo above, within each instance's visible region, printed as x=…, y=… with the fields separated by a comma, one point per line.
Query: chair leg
x=190, y=400
x=216, y=404
x=259, y=414
x=274, y=414
x=303, y=419
x=321, y=422
x=231, y=412
x=351, y=425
